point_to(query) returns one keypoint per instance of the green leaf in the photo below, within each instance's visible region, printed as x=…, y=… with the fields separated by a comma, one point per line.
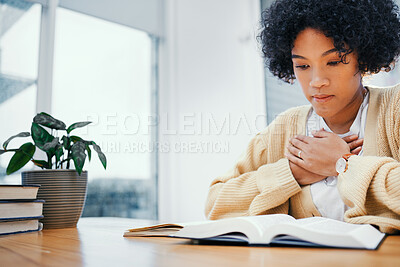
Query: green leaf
x=75, y=138
x=21, y=157
x=66, y=142
x=48, y=121
x=50, y=147
x=78, y=155
x=89, y=151
x=40, y=135
x=101, y=155
x=59, y=152
x=41, y=163
x=77, y=125
x=23, y=134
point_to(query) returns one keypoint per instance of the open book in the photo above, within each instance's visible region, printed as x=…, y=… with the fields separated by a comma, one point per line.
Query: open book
x=158, y=230
x=270, y=230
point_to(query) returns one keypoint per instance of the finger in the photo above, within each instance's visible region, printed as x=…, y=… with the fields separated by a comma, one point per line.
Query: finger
x=356, y=151
x=350, y=138
x=299, y=144
x=321, y=133
x=295, y=160
x=356, y=143
x=294, y=151
x=297, y=165
x=303, y=138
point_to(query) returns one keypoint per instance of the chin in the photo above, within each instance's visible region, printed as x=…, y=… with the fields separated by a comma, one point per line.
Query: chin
x=322, y=113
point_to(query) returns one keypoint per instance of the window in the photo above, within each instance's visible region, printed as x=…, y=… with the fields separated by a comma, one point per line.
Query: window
x=19, y=45
x=105, y=70
x=103, y=73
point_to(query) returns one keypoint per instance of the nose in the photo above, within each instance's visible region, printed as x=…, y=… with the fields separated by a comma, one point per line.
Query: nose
x=319, y=79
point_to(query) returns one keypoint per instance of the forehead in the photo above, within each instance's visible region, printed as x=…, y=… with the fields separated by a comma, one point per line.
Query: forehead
x=312, y=41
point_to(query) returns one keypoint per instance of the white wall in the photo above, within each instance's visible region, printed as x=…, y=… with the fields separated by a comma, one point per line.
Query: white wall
x=209, y=67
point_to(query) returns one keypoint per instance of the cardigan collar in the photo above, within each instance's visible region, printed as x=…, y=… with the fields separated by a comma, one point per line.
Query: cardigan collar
x=369, y=146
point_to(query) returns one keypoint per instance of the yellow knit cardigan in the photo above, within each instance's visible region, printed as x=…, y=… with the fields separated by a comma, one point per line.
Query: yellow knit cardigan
x=261, y=181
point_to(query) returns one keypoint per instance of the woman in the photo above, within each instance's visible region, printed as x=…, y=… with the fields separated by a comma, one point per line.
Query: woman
x=339, y=157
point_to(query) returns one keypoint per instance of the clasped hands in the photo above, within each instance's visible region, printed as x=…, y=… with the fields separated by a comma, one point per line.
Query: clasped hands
x=319, y=154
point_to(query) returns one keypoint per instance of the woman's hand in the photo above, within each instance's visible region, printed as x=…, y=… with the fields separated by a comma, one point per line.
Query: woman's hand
x=354, y=143
x=304, y=177
x=318, y=154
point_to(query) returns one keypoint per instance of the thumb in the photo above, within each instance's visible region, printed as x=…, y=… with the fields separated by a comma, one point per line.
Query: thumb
x=320, y=133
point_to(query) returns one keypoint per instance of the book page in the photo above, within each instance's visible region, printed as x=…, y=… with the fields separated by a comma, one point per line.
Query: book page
x=327, y=225
x=263, y=222
x=152, y=232
x=156, y=227
x=161, y=229
x=250, y=227
x=326, y=232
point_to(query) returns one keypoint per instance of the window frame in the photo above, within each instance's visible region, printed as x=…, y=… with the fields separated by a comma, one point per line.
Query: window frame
x=141, y=15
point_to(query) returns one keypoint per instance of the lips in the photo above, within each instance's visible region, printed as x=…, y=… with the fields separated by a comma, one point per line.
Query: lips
x=322, y=98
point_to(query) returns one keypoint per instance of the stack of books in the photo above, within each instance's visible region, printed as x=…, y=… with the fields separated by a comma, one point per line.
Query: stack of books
x=20, y=211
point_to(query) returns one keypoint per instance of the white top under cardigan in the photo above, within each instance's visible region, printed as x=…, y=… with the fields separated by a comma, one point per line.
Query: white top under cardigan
x=324, y=193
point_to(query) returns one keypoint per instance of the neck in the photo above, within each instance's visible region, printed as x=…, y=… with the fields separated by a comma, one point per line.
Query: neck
x=342, y=124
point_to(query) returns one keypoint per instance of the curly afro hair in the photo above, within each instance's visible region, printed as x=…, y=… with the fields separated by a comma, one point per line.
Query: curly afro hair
x=369, y=27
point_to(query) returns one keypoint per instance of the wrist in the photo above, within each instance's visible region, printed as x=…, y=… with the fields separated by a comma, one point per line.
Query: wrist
x=342, y=163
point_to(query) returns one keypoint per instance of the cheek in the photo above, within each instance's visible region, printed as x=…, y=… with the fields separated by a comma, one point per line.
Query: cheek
x=350, y=73
x=356, y=77
x=299, y=77
x=349, y=78
x=304, y=82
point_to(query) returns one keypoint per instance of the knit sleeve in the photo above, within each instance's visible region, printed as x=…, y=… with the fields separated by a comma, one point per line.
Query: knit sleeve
x=371, y=185
x=371, y=188
x=261, y=182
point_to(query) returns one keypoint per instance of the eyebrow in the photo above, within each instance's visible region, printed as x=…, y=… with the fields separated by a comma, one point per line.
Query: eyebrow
x=333, y=50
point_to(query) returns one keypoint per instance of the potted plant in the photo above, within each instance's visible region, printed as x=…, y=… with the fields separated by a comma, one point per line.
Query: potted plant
x=63, y=189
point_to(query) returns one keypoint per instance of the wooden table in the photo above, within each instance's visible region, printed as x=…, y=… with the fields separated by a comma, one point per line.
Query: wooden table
x=99, y=242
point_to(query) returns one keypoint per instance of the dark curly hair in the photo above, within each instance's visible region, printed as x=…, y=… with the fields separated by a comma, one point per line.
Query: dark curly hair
x=369, y=27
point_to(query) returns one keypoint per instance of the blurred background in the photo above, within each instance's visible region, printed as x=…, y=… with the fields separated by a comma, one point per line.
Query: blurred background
x=175, y=90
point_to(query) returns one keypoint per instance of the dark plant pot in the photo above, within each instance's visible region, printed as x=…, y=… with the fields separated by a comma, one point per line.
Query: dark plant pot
x=64, y=192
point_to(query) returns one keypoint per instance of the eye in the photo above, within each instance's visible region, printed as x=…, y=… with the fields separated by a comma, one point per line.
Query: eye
x=334, y=63
x=302, y=67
